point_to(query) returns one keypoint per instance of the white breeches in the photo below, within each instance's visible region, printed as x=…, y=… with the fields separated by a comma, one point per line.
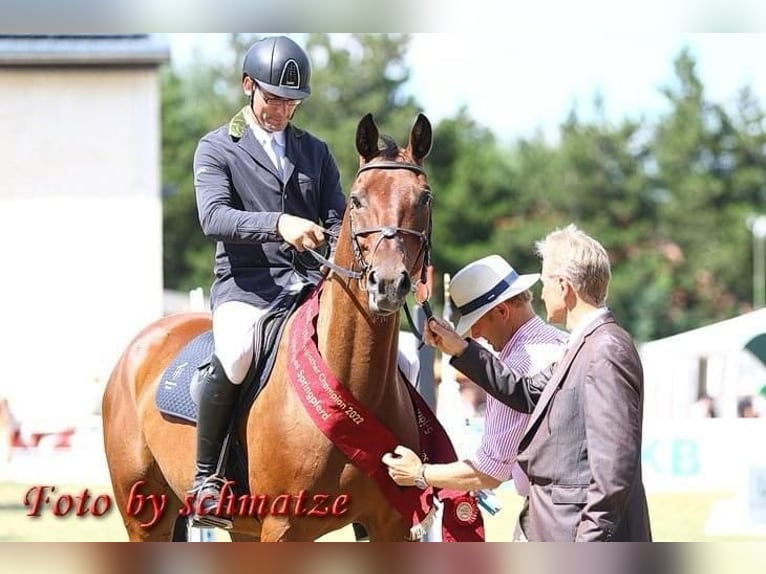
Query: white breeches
x=233, y=336
x=234, y=325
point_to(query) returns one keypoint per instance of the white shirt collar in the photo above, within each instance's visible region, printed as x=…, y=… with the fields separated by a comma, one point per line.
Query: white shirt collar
x=585, y=321
x=263, y=137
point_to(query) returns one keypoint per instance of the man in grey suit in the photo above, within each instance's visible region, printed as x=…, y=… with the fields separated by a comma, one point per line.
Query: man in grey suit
x=582, y=446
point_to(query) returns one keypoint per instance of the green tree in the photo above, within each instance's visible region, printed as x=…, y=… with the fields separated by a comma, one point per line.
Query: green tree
x=609, y=196
x=365, y=73
x=473, y=188
x=669, y=199
x=707, y=175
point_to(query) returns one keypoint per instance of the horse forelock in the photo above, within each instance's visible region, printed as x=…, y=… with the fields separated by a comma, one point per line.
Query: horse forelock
x=388, y=147
x=390, y=150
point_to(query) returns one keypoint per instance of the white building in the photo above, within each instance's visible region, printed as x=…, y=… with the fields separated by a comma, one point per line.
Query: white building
x=80, y=213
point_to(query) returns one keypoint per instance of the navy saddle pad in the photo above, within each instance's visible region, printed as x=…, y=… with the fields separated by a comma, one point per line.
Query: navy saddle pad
x=179, y=382
x=174, y=395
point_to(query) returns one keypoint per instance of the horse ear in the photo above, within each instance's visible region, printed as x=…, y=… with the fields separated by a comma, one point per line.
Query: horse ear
x=367, y=138
x=421, y=138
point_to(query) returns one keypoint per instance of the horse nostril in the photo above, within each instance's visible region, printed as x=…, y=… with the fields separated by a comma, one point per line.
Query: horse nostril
x=404, y=283
x=372, y=278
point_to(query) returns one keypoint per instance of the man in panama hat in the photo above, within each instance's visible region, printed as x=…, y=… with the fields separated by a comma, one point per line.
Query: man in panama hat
x=482, y=285
x=495, y=304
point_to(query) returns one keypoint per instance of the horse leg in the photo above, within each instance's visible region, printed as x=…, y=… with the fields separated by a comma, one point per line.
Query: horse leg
x=150, y=510
x=180, y=530
x=282, y=529
x=132, y=468
x=242, y=537
x=274, y=530
x=388, y=529
x=150, y=523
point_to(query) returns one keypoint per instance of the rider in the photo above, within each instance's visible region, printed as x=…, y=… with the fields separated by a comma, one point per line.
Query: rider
x=259, y=182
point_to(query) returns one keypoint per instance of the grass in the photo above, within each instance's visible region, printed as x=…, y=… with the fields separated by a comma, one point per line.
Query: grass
x=682, y=517
x=675, y=518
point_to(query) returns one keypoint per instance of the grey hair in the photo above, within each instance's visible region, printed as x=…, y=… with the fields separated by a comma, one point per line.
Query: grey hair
x=523, y=297
x=578, y=258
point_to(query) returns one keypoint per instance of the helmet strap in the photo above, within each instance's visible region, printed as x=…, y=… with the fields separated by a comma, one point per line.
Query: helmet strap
x=252, y=91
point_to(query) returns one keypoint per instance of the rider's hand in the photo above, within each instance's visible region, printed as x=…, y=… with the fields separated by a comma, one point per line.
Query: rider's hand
x=299, y=232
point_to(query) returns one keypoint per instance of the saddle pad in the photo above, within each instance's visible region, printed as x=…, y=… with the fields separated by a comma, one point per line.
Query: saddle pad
x=179, y=382
x=174, y=392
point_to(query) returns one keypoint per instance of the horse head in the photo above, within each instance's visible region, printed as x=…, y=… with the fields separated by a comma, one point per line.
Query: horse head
x=389, y=211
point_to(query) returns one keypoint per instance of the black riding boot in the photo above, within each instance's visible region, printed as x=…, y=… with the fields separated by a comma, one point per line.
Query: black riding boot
x=217, y=399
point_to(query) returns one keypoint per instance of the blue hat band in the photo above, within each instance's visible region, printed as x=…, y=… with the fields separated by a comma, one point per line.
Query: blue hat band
x=490, y=295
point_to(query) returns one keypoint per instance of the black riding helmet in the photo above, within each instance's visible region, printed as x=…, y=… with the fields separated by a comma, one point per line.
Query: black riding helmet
x=280, y=66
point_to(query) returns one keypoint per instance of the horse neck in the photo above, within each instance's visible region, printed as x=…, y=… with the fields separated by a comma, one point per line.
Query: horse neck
x=360, y=348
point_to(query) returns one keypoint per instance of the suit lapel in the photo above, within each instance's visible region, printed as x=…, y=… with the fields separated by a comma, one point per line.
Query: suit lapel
x=557, y=378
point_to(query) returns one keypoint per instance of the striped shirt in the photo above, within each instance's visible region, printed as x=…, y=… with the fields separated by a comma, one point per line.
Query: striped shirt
x=532, y=348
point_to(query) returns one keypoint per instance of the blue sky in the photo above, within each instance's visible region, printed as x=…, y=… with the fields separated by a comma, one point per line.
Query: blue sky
x=516, y=83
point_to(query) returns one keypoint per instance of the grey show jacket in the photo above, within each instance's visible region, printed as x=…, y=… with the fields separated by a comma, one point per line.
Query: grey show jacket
x=240, y=197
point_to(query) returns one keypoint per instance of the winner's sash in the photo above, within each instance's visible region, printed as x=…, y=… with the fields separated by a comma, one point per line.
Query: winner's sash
x=356, y=432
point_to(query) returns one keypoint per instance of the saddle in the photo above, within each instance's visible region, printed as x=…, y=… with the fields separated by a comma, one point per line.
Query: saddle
x=178, y=392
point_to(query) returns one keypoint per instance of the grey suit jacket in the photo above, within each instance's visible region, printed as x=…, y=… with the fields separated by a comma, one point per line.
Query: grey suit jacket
x=582, y=446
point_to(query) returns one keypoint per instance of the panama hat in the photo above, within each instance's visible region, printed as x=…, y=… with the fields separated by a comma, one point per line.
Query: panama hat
x=481, y=285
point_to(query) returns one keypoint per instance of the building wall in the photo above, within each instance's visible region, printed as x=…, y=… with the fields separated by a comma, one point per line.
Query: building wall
x=80, y=228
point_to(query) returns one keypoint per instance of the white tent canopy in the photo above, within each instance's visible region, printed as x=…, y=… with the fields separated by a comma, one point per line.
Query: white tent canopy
x=712, y=357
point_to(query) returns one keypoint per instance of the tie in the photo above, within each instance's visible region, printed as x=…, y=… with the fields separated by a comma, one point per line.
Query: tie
x=277, y=155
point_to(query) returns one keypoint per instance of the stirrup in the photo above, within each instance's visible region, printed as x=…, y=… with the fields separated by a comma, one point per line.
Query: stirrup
x=209, y=520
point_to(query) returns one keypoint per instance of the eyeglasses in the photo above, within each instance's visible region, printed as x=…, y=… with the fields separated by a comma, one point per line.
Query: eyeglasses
x=270, y=100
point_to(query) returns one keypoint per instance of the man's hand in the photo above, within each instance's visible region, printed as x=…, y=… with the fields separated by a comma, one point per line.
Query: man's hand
x=439, y=333
x=405, y=468
x=299, y=232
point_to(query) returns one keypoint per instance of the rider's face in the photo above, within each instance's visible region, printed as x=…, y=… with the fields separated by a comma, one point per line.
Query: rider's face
x=272, y=112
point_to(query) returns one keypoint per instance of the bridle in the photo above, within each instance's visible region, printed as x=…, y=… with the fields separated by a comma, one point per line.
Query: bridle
x=386, y=232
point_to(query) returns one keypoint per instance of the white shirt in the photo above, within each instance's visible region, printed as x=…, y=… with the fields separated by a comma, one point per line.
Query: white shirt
x=587, y=320
x=273, y=142
x=408, y=358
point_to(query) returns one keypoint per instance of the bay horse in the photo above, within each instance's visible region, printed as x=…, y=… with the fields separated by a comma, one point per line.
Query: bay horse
x=384, y=244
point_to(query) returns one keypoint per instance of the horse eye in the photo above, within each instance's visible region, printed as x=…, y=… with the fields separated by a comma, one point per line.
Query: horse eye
x=354, y=202
x=426, y=198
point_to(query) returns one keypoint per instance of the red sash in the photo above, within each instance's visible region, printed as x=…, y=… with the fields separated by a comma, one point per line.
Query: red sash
x=356, y=432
